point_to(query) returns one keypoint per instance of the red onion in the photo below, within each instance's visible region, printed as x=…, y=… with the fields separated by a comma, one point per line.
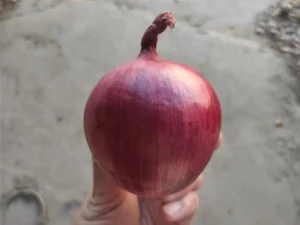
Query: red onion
x=152, y=124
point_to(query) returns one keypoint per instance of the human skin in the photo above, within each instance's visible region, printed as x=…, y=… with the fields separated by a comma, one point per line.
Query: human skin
x=107, y=204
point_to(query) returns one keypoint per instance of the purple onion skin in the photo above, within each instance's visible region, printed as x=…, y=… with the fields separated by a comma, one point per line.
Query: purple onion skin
x=152, y=124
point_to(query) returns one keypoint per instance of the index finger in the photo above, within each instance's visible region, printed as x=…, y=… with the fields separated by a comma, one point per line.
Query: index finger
x=220, y=140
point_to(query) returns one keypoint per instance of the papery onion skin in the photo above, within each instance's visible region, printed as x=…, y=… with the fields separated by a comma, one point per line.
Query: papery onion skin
x=152, y=124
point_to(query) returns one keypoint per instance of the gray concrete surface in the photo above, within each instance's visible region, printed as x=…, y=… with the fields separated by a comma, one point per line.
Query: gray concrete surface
x=53, y=52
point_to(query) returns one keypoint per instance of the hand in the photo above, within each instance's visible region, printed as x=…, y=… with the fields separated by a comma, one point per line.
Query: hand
x=108, y=204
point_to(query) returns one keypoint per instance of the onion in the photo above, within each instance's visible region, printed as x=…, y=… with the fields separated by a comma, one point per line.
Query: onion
x=152, y=124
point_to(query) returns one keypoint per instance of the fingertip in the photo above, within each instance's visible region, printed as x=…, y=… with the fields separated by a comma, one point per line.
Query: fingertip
x=173, y=208
x=220, y=140
x=200, y=180
x=179, y=195
x=181, y=209
x=103, y=185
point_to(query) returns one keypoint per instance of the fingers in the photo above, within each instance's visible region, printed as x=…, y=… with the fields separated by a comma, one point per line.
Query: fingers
x=182, y=206
x=178, y=207
x=194, y=186
x=104, y=198
x=220, y=140
x=182, y=210
x=102, y=185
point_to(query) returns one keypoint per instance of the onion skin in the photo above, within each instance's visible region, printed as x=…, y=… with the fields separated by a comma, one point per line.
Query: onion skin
x=152, y=124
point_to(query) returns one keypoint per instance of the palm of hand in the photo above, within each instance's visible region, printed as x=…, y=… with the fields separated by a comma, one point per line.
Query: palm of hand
x=121, y=207
x=128, y=210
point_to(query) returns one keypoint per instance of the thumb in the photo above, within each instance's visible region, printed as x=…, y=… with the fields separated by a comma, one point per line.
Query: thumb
x=103, y=199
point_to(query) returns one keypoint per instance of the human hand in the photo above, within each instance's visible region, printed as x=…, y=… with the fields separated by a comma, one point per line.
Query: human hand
x=107, y=204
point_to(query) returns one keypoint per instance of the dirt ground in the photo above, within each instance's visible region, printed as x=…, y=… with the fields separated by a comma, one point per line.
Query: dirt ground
x=54, y=51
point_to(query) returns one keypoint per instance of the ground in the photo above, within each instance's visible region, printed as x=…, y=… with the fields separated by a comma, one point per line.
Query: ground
x=53, y=52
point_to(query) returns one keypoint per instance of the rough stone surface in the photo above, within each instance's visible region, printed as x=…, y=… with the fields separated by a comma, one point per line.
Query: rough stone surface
x=53, y=52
